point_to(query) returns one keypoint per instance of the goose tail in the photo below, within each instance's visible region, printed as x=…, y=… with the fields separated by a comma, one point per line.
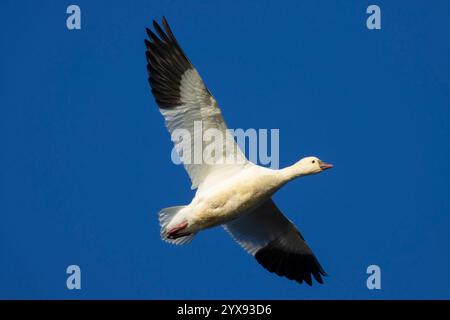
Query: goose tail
x=166, y=215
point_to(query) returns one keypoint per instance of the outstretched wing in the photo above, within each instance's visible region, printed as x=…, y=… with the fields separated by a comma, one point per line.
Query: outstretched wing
x=187, y=105
x=276, y=244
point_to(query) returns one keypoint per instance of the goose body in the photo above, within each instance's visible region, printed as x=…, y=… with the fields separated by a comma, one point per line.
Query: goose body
x=231, y=191
x=229, y=198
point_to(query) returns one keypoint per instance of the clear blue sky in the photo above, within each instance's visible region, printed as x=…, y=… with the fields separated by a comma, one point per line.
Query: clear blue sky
x=85, y=158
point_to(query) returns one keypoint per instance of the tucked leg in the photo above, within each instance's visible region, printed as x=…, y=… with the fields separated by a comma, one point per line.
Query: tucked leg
x=173, y=233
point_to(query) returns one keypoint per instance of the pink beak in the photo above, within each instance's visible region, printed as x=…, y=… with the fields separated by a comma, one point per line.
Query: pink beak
x=325, y=166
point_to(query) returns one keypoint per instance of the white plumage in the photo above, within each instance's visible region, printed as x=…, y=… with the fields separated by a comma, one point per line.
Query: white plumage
x=231, y=191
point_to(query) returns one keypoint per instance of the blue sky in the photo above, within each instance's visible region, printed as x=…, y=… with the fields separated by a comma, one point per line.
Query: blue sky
x=85, y=158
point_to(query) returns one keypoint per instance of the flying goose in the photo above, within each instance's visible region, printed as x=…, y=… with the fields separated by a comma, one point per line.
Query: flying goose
x=235, y=194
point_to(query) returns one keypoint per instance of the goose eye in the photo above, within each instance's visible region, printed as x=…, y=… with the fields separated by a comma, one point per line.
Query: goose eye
x=314, y=161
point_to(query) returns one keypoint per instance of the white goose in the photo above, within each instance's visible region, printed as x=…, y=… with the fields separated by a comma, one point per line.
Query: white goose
x=236, y=196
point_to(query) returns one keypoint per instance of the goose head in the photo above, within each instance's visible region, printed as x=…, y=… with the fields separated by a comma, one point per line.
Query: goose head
x=312, y=165
x=306, y=166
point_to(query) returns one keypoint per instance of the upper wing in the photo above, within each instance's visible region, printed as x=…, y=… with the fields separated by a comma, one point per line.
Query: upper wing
x=276, y=243
x=187, y=104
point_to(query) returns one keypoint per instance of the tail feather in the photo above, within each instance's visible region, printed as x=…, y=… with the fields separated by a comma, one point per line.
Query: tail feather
x=165, y=216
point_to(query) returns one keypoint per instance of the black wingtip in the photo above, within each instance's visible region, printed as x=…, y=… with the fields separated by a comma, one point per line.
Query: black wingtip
x=294, y=266
x=166, y=64
x=164, y=21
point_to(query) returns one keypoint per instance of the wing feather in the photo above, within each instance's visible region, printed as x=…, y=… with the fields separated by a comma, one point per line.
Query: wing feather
x=276, y=244
x=185, y=101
